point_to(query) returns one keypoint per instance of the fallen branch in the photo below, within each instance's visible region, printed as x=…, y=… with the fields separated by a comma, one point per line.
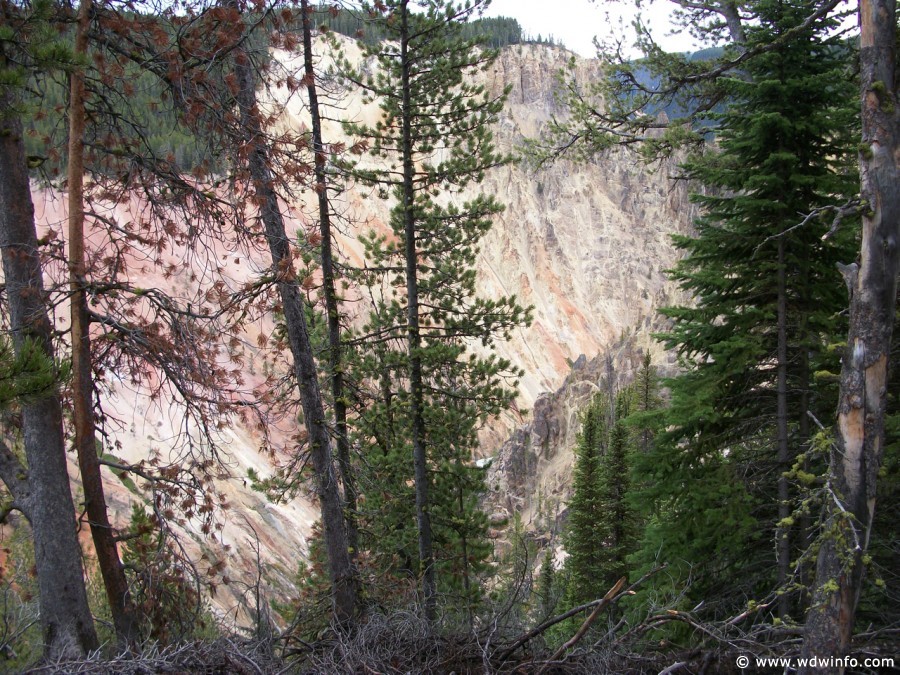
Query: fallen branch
x=601, y=605
x=674, y=668
x=549, y=623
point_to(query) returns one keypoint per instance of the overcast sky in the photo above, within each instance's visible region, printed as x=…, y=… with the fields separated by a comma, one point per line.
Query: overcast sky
x=576, y=22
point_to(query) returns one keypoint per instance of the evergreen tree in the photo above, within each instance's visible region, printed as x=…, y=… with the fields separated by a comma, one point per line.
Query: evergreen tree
x=431, y=393
x=768, y=297
x=618, y=524
x=602, y=526
x=548, y=586
x=344, y=582
x=40, y=485
x=583, y=540
x=329, y=289
x=646, y=405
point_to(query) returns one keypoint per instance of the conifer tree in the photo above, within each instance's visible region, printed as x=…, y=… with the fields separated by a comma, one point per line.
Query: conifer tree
x=618, y=524
x=548, y=585
x=344, y=583
x=768, y=300
x=125, y=620
x=602, y=525
x=583, y=540
x=432, y=394
x=329, y=289
x=646, y=405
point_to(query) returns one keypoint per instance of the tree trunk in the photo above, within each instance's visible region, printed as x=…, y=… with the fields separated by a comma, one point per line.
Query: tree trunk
x=328, y=288
x=782, y=532
x=67, y=626
x=111, y=569
x=416, y=398
x=805, y=533
x=859, y=436
x=343, y=579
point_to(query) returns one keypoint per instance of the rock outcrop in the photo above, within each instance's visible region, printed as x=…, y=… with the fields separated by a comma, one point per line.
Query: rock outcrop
x=531, y=472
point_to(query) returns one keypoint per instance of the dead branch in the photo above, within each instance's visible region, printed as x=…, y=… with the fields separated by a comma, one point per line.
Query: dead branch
x=601, y=605
x=538, y=630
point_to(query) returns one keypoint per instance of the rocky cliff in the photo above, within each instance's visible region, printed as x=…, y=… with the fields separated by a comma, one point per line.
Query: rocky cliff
x=585, y=244
x=530, y=474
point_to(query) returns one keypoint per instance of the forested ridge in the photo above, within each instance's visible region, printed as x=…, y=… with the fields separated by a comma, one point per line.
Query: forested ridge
x=741, y=507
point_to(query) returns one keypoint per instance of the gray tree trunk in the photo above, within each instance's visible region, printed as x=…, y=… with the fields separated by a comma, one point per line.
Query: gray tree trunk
x=335, y=360
x=68, y=629
x=343, y=578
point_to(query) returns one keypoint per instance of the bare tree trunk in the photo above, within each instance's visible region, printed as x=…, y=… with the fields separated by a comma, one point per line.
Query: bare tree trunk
x=328, y=287
x=108, y=560
x=416, y=397
x=68, y=629
x=859, y=443
x=343, y=579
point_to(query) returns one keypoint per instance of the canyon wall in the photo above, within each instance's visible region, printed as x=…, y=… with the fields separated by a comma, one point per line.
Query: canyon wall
x=587, y=245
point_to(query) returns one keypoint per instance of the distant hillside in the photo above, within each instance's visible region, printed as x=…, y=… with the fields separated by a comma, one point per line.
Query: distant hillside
x=158, y=128
x=496, y=32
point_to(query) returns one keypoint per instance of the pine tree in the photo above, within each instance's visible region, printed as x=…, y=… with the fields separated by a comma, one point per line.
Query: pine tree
x=430, y=393
x=768, y=297
x=547, y=586
x=647, y=403
x=618, y=524
x=583, y=540
x=125, y=620
x=329, y=289
x=40, y=486
x=344, y=582
x=602, y=526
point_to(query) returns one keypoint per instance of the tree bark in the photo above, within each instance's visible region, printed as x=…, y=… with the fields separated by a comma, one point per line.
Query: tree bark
x=14, y=475
x=67, y=626
x=111, y=569
x=782, y=532
x=416, y=397
x=343, y=579
x=335, y=358
x=859, y=437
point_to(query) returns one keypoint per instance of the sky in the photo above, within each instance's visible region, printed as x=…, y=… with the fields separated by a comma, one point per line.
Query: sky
x=576, y=22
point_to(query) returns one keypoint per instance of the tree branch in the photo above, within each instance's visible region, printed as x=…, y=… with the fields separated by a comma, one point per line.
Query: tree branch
x=534, y=632
x=14, y=475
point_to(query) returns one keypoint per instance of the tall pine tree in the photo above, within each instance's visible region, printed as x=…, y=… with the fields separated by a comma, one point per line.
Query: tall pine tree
x=583, y=540
x=430, y=392
x=768, y=298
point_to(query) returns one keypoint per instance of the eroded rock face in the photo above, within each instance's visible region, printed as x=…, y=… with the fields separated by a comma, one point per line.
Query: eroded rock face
x=531, y=473
x=585, y=244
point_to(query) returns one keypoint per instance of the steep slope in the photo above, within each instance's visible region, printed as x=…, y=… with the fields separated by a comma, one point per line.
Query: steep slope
x=531, y=472
x=585, y=244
